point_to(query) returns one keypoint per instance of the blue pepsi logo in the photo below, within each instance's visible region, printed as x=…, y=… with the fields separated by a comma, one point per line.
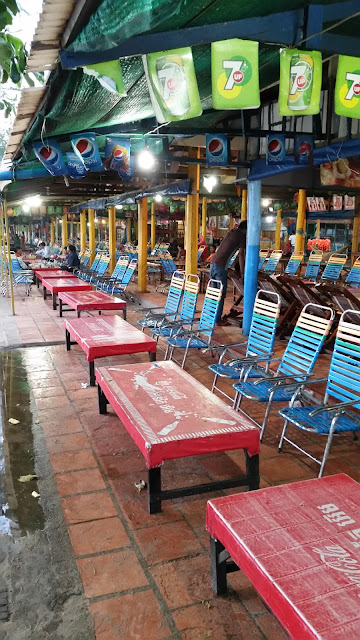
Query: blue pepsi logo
x=305, y=149
x=275, y=147
x=85, y=147
x=49, y=154
x=216, y=147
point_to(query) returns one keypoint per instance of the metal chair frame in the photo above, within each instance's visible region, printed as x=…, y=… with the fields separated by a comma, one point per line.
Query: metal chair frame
x=154, y=315
x=168, y=325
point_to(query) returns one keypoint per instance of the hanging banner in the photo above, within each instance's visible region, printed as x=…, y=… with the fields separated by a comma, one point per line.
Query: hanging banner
x=303, y=149
x=117, y=156
x=347, y=88
x=109, y=75
x=50, y=155
x=337, y=202
x=59, y=210
x=172, y=84
x=300, y=82
x=235, y=74
x=216, y=150
x=76, y=168
x=51, y=209
x=85, y=146
x=275, y=148
x=43, y=209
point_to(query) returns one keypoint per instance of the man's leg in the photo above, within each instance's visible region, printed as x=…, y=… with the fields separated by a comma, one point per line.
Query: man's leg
x=219, y=273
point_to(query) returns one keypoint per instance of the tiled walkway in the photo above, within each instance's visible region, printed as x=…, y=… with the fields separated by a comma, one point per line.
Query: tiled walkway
x=146, y=577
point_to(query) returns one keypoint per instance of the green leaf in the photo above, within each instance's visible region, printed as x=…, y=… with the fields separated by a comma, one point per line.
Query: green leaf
x=2, y=106
x=14, y=73
x=17, y=44
x=29, y=79
x=8, y=110
x=12, y=5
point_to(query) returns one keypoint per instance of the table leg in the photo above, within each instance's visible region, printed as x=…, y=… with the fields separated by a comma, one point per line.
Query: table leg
x=54, y=301
x=67, y=339
x=154, y=487
x=218, y=567
x=44, y=292
x=60, y=308
x=124, y=313
x=92, y=373
x=252, y=471
x=78, y=314
x=102, y=401
x=152, y=357
x=99, y=312
x=38, y=283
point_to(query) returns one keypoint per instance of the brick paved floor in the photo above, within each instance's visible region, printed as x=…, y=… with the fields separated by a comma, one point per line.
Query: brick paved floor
x=147, y=577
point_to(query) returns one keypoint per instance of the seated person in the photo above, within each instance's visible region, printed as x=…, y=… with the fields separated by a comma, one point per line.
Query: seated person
x=72, y=258
x=43, y=251
x=21, y=262
x=212, y=250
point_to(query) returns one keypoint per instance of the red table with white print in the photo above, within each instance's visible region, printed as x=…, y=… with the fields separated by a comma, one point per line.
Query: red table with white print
x=56, y=285
x=299, y=544
x=107, y=336
x=171, y=415
x=46, y=274
x=91, y=301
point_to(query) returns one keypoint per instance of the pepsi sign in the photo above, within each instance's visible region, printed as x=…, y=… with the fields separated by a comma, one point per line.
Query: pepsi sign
x=85, y=147
x=75, y=166
x=50, y=155
x=303, y=149
x=275, y=148
x=216, y=150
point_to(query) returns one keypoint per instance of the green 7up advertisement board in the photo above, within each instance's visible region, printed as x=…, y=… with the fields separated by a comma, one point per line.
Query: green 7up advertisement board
x=347, y=88
x=235, y=74
x=172, y=84
x=300, y=82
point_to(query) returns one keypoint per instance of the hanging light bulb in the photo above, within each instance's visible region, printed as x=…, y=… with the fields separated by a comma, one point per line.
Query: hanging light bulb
x=158, y=197
x=146, y=160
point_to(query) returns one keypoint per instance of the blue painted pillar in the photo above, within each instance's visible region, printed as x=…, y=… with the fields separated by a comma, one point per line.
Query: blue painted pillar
x=252, y=252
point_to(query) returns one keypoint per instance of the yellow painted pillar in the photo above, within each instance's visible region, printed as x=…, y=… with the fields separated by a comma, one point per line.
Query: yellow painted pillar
x=128, y=230
x=83, y=230
x=136, y=230
x=52, y=231
x=318, y=228
x=65, y=240
x=278, y=229
x=9, y=258
x=304, y=236
x=355, y=236
x=153, y=225
x=192, y=215
x=91, y=218
x=2, y=249
x=203, y=217
x=244, y=205
x=112, y=238
x=301, y=217
x=142, y=243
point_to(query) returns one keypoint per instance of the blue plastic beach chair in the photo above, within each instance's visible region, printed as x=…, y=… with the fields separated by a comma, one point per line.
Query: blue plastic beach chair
x=102, y=267
x=294, y=263
x=296, y=364
x=86, y=273
x=154, y=315
x=200, y=337
x=334, y=267
x=263, y=254
x=353, y=278
x=169, y=325
x=272, y=262
x=106, y=283
x=260, y=343
x=313, y=266
x=121, y=287
x=343, y=385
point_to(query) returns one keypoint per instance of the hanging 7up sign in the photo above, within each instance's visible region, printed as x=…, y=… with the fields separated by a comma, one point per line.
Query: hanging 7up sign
x=235, y=74
x=347, y=88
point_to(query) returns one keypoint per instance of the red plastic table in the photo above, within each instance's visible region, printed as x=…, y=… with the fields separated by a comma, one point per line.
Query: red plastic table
x=46, y=274
x=107, y=336
x=56, y=285
x=170, y=415
x=299, y=544
x=90, y=301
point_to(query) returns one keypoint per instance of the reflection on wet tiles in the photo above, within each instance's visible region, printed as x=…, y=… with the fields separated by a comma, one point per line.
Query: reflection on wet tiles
x=20, y=512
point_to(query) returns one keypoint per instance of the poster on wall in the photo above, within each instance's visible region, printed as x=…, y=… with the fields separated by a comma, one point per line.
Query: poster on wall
x=224, y=222
x=212, y=226
x=337, y=202
x=235, y=74
x=117, y=156
x=50, y=155
x=345, y=172
x=217, y=149
x=300, y=82
x=85, y=146
x=303, y=149
x=275, y=148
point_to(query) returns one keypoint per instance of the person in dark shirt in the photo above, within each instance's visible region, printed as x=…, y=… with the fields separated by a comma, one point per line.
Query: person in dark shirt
x=235, y=240
x=72, y=258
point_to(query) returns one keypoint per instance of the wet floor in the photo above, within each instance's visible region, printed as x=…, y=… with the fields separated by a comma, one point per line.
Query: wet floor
x=20, y=512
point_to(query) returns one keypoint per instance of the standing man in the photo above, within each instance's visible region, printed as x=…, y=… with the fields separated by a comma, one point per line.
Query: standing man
x=292, y=239
x=234, y=240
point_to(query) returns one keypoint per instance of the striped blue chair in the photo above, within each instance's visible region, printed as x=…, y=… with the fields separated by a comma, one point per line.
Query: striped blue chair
x=272, y=262
x=101, y=269
x=106, y=283
x=353, y=278
x=154, y=315
x=232, y=259
x=294, y=263
x=169, y=325
x=121, y=287
x=263, y=255
x=168, y=266
x=343, y=386
x=260, y=343
x=84, y=273
x=296, y=364
x=200, y=337
x=334, y=267
x=313, y=266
